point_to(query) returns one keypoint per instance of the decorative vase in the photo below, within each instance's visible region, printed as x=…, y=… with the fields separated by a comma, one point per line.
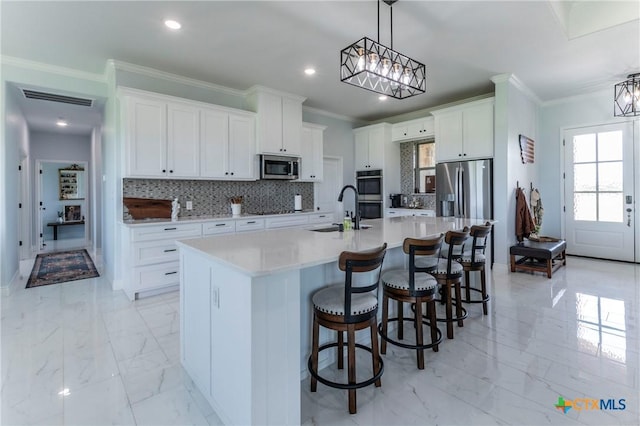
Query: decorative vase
x=236, y=209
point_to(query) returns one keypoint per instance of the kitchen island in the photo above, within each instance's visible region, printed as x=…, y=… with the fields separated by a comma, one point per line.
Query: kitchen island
x=246, y=309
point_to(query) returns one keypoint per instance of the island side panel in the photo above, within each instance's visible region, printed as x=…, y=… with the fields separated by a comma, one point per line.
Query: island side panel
x=275, y=311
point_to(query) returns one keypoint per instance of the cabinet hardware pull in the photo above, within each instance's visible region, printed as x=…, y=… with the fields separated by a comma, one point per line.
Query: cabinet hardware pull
x=251, y=222
x=220, y=224
x=322, y=215
x=171, y=273
x=169, y=250
x=164, y=170
x=170, y=229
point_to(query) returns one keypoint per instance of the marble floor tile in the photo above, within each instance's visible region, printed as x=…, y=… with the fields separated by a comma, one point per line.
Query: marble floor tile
x=81, y=354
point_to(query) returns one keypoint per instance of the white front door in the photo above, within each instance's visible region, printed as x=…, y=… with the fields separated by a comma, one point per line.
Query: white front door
x=599, y=191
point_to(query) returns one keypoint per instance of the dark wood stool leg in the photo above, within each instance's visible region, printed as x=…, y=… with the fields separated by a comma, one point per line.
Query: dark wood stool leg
x=314, y=352
x=447, y=295
x=385, y=320
x=375, y=356
x=340, y=350
x=400, y=329
x=467, y=283
x=419, y=339
x=483, y=282
x=431, y=313
x=458, y=291
x=549, y=267
x=351, y=365
x=513, y=263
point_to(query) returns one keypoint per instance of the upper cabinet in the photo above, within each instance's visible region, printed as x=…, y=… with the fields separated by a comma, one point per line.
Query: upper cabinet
x=370, y=146
x=167, y=137
x=420, y=128
x=464, y=131
x=312, y=150
x=279, y=121
x=227, y=145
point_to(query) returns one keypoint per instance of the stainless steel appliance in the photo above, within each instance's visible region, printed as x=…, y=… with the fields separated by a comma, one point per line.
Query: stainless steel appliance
x=465, y=189
x=369, y=185
x=396, y=200
x=279, y=167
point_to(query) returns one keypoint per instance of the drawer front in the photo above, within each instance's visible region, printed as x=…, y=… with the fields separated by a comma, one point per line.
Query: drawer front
x=221, y=227
x=168, y=231
x=155, y=276
x=428, y=213
x=249, y=225
x=321, y=218
x=149, y=252
x=285, y=222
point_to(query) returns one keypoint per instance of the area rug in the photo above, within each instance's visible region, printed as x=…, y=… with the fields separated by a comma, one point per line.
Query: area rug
x=54, y=268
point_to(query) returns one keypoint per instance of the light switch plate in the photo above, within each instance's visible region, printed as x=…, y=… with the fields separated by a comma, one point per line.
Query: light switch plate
x=189, y=205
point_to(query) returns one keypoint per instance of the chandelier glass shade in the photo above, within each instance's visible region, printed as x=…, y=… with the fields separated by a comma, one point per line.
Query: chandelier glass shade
x=373, y=66
x=626, y=97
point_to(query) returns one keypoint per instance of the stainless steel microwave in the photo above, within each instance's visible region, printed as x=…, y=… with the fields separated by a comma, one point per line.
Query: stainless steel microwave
x=279, y=167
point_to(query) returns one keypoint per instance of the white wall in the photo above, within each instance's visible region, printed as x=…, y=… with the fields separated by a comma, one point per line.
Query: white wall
x=587, y=110
x=13, y=146
x=516, y=113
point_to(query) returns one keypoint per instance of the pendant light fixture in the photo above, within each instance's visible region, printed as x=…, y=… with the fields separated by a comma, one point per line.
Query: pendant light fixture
x=626, y=97
x=376, y=67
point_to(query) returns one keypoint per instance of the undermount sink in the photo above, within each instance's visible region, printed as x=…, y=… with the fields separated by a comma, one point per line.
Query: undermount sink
x=334, y=228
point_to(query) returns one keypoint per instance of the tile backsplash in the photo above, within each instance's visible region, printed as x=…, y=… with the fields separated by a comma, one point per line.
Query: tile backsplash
x=407, y=182
x=212, y=197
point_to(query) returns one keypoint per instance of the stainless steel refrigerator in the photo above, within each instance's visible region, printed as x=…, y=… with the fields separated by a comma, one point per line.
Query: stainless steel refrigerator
x=465, y=189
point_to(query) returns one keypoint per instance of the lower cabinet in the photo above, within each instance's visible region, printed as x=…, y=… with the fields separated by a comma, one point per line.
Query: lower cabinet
x=409, y=212
x=150, y=256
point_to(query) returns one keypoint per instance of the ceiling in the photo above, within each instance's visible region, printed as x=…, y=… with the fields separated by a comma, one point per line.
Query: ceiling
x=556, y=48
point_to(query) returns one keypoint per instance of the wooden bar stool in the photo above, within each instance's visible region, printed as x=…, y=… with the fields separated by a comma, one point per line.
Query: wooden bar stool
x=413, y=286
x=473, y=260
x=347, y=307
x=448, y=273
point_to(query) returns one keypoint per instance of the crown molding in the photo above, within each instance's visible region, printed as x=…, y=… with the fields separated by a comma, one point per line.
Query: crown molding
x=151, y=72
x=518, y=84
x=599, y=91
x=53, y=69
x=329, y=114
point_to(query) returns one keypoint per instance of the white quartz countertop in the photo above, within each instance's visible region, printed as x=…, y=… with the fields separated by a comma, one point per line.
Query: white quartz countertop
x=279, y=250
x=208, y=218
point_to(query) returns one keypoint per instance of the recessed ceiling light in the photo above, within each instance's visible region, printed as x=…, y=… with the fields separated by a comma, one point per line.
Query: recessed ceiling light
x=61, y=123
x=64, y=392
x=382, y=98
x=309, y=71
x=174, y=25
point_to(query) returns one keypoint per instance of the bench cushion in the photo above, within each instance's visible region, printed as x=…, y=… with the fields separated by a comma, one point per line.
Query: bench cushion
x=539, y=249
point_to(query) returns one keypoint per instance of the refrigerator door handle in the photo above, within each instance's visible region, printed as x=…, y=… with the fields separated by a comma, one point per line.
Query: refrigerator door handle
x=463, y=210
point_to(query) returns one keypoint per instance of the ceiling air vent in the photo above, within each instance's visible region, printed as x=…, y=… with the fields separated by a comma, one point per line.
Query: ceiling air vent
x=32, y=94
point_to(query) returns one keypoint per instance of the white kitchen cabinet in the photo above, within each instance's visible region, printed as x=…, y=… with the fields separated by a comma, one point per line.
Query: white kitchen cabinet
x=219, y=227
x=286, y=221
x=183, y=140
x=150, y=256
x=420, y=128
x=319, y=218
x=397, y=212
x=227, y=145
x=144, y=126
x=312, y=151
x=370, y=144
x=465, y=131
x=244, y=225
x=279, y=120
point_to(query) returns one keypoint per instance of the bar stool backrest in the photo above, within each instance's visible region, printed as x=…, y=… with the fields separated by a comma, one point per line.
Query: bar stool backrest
x=358, y=262
x=455, y=241
x=420, y=247
x=480, y=233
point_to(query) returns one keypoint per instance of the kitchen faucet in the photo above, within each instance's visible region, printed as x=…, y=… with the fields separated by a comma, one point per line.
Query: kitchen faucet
x=355, y=191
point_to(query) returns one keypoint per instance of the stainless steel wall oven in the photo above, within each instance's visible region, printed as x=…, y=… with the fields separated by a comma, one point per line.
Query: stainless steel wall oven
x=369, y=184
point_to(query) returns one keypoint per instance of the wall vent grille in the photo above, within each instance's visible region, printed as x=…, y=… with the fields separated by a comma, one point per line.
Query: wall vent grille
x=32, y=94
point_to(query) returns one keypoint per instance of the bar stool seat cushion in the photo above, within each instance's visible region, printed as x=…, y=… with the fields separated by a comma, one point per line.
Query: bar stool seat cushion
x=439, y=267
x=466, y=258
x=331, y=301
x=399, y=279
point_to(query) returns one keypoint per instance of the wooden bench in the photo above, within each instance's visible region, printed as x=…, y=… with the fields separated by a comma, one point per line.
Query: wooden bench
x=538, y=256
